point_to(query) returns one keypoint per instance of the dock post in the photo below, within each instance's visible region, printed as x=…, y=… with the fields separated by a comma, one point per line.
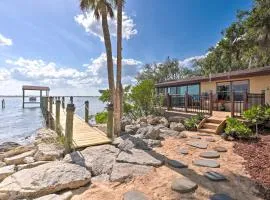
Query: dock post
x=110, y=121
x=63, y=102
x=69, y=127
x=57, y=117
x=186, y=101
x=23, y=99
x=71, y=99
x=46, y=109
x=50, y=113
x=86, y=111
x=40, y=97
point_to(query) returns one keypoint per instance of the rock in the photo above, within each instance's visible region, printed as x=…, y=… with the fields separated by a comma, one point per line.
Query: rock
x=4, y=196
x=123, y=172
x=6, y=146
x=64, y=196
x=28, y=160
x=142, y=120
x=220, y=149
x=224, y=136
x=18, y=159
x=101, y=177
x=210, y=154
x=209, y=139
x=195, y=137
x=124, y=122
x=152, y=143
x=153, y=120
x=177, y=126
x=214, y=176
x=6, y=171
x=206, y=163
x=127, y=142
x=200, y=145
x=176, y=164
x=134, y=195
x=204, y=134
x=131, y=129
x=44, y=179
x=220, y=197
x=31, y=165
x=137, y=156
x=2, y=164
x=149, y=132
x=183, y=185
x=49, y=152
x=97, y=159
x=166, y=132
x=47, y=136
x=163, y=121
x=16, y=151
x=184, y=151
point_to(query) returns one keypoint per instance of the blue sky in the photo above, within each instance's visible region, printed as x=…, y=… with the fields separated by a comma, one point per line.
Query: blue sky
x=52, y=43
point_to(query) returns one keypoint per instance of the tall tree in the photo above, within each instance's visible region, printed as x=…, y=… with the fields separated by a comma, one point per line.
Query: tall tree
x=102, y=9
x=118, y=93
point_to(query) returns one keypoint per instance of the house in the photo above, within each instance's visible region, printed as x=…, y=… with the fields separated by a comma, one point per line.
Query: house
x=231, y=92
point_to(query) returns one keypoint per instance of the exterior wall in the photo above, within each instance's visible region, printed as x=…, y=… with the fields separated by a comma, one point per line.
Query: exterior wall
x=256, y=85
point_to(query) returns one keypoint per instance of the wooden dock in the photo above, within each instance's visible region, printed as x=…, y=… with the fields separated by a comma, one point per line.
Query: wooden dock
x=83, y=134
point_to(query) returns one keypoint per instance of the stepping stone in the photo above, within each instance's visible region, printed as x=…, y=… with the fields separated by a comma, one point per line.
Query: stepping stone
x=183, y=185
x=134, y=195
x=220, y=197
x=184, y=151
x=214, y=176
x=204, y=134
x=176, y=164
x=220, y=149
x=206, y=163
x=210, y=154
x=210, y=139
x=200, y=145
x=195, y=137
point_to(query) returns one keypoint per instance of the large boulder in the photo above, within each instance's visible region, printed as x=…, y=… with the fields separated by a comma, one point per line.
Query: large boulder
x=31, y=165
x=125, y=171
x=64, y=196
x=6, y=171
x=44, y=135
x=131, y=129
x=44, y=179
x=152, y=120
x=98, y=159
x=149, y=132
x=16, y=151
x=138, y=156
x=18, y=159
x=177, y=126
x=49, y=152
x=166, y=132
x=163, y=121
x=125, y=121
x=6, y=146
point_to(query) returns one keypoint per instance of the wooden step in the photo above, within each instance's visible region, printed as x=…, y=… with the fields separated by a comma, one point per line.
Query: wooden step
x=207, y=130
x=214, y=120
x=210, y=125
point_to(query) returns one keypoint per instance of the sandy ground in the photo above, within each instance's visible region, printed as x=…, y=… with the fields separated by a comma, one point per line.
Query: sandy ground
x=157, y=184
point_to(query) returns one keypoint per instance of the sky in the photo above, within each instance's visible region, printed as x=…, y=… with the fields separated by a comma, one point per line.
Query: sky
x=52, y=43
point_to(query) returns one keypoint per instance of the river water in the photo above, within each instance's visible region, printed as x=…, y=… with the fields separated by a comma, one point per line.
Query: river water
x=19, y=125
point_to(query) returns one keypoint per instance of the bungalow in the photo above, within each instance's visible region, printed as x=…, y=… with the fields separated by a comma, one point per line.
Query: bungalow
x=233, y=91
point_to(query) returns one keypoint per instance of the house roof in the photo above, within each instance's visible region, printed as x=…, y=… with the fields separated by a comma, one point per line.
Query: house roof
x=261, y=71
x=31, y=87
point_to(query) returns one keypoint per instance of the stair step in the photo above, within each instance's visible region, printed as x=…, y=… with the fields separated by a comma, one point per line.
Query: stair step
x=210, y=125
x=207, y=130
x=214, y=120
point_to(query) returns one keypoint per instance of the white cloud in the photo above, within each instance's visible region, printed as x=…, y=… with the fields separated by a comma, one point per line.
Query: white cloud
x=4, y=74
x=189, y=62
x=92, y=26
x=5, y=41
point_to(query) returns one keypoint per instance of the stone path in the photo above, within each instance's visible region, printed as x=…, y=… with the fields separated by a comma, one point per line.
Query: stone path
x=210, y=154
x=206, y=163
x=200, y=145
x=220, y=149
x=214, y=176
x=184, y=151
x=183, y=185
x=134, y=195
x=220, y=197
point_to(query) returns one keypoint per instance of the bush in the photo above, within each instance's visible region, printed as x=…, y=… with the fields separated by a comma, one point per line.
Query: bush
x=236, y=128
x=101, y=117
x=193, y=122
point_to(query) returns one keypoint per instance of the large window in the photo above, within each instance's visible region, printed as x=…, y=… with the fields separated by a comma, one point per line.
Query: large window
x=194, y=90
x=172, y=90
x=181, y=90
x=239, y=87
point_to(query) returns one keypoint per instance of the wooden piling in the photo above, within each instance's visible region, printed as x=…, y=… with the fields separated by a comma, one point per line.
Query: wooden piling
x=71, y=99
x=110, y=121
x=57, y=117
x=69, y=127
x=86, y=111
x=50, y=113
x=211, y=103
x=63, y=102
x=232, y=103
x=45, y=112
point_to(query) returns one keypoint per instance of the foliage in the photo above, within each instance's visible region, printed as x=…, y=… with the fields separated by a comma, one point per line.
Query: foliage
x=245, y=43
x=101, y=117
x=105, y=96
x=236, y=128
x=193, y=122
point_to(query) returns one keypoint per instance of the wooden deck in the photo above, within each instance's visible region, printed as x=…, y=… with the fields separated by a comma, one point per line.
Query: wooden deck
x=83, y=134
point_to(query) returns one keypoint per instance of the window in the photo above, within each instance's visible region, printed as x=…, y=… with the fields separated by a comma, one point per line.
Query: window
x=223, y=91
x=172, y=90
x=182, y=90
x=194, y=90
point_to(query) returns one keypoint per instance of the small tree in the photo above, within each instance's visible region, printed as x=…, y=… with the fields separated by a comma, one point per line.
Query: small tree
x=255, y=115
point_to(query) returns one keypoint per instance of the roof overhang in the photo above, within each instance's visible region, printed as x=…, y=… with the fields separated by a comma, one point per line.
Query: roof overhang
x=31, y=87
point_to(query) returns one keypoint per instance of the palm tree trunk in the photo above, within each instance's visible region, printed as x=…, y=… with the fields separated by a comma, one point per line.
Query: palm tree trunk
x=118, y=93
x=108, y=47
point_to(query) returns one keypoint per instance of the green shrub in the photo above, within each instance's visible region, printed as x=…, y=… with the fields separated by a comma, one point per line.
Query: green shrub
x=237, y=128
x=101, y=117
x=193, y=122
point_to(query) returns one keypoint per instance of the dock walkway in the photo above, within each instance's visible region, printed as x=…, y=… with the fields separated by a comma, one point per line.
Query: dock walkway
x=83, y=134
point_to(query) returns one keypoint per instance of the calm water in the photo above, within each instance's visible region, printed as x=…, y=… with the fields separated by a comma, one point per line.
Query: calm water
x=18, y=125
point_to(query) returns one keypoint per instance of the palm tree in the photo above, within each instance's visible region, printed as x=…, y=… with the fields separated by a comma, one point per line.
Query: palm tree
x=102, y=9
x=118, y=93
